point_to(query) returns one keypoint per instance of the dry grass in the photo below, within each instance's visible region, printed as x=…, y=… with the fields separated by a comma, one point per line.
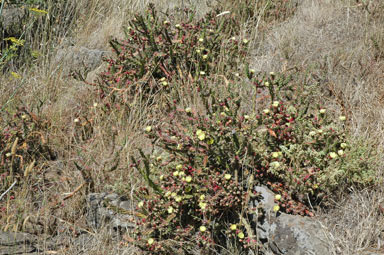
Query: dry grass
x=338, y=43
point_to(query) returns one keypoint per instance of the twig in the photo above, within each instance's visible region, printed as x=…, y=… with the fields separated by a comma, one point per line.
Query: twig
x=13, y=184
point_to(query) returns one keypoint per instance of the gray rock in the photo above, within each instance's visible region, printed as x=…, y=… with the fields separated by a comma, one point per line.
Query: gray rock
x=296, y=235
x=17, y=243
x=10, y=20
x=110, y=209
x=78, y=59
x=288, y=234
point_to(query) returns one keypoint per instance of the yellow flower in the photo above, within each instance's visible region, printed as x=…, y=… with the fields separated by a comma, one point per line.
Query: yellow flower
x=178, y=199
x=233, y=227
x=275, y=164
x=275, y=154
x=266, y=84
x=211, y=141
x=340, y=152
x=202, y=73
x=165, y=83
x=343, y=145
x=205, y=56
x=342, y=118
x=278, y=197
x=179, y=167
x=140, y=204
x=312, y=133
x=202, y=197
x=245, y=41
x=150, y=241
x=202, y=205
x=170, y=210
x=203, y=228
x=173, y=194
x=148, y=129
x=38, y=11
x=167, y=194
x=322, y=111
x=161, y=177
x=176, y=173
x=227, y=176
x=252, y=71
x=15, y=41
x=188, y=110
x=333, y=154
x=276, y=208
x=266, y=111
x=240, y=235
x=200, y=134
x=201, y=39
x=15, y=75
x=188, y=178
x=275, y=103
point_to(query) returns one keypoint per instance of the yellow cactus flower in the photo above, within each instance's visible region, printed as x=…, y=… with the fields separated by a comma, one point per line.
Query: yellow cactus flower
x=151, y=241
x=202, y=205
x=241, y=235
x=233, y=227
x=203, y=228
x=276, y=208
x=200, y=134
x=188, y=178
x=333, y=155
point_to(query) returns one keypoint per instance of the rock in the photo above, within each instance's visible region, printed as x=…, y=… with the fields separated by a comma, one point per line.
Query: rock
x=288, y=234
x=10, y=21
x=296, y=235
x=78, y=60
x=110, y=209
x=17, y=243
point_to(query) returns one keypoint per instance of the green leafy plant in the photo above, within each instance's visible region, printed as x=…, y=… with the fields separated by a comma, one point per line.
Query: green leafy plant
x=156, y=55
x=212, y=160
